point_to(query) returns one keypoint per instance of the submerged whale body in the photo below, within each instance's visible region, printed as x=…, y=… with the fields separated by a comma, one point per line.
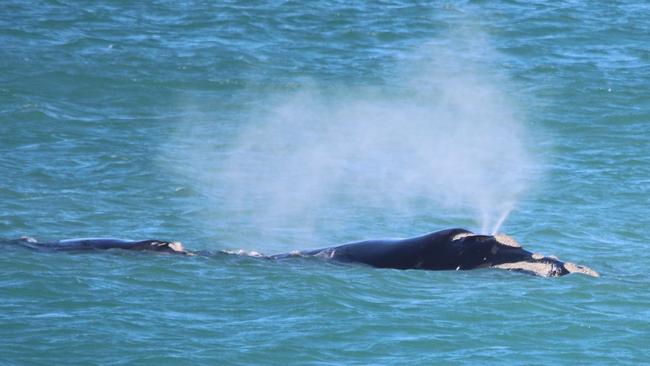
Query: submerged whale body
x=101, y=244
x=453, y=249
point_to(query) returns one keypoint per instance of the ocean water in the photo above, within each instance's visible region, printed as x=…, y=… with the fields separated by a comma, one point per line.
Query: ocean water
x=282, y=125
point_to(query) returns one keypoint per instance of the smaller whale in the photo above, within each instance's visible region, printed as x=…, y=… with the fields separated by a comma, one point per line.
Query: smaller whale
x=101, y=244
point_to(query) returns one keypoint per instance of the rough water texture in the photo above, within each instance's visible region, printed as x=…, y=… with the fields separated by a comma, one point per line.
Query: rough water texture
x=278, y=126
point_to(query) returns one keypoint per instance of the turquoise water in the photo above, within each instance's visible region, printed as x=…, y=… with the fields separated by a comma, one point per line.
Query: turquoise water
x=275, y=126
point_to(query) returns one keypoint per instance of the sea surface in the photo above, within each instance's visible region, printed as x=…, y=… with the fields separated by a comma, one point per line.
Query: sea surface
x=272, y=126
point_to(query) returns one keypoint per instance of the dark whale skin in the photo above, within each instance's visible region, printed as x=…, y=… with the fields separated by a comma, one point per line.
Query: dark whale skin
x=452, y=249
x=441, y=250
x=85, y=244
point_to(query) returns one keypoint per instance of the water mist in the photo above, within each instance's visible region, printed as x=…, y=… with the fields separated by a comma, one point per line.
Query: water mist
x=446, y=140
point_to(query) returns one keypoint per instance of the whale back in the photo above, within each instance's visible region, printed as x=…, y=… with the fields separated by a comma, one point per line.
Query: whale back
x=435, y=250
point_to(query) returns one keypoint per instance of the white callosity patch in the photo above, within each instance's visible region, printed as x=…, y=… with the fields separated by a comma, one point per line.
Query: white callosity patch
x=461, y=236
x=537, y=256
x=542, y=269
x=507, y=240
x=576, y=268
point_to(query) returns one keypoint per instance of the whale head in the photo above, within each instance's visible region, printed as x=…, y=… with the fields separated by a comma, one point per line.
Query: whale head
x=478, y=251
x=504, y=252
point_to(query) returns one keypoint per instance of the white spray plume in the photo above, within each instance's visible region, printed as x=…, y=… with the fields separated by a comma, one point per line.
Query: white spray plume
x=446, y=142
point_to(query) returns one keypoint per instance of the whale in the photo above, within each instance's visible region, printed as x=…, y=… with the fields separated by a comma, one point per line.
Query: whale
x=86, y=244
x=451, y=249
